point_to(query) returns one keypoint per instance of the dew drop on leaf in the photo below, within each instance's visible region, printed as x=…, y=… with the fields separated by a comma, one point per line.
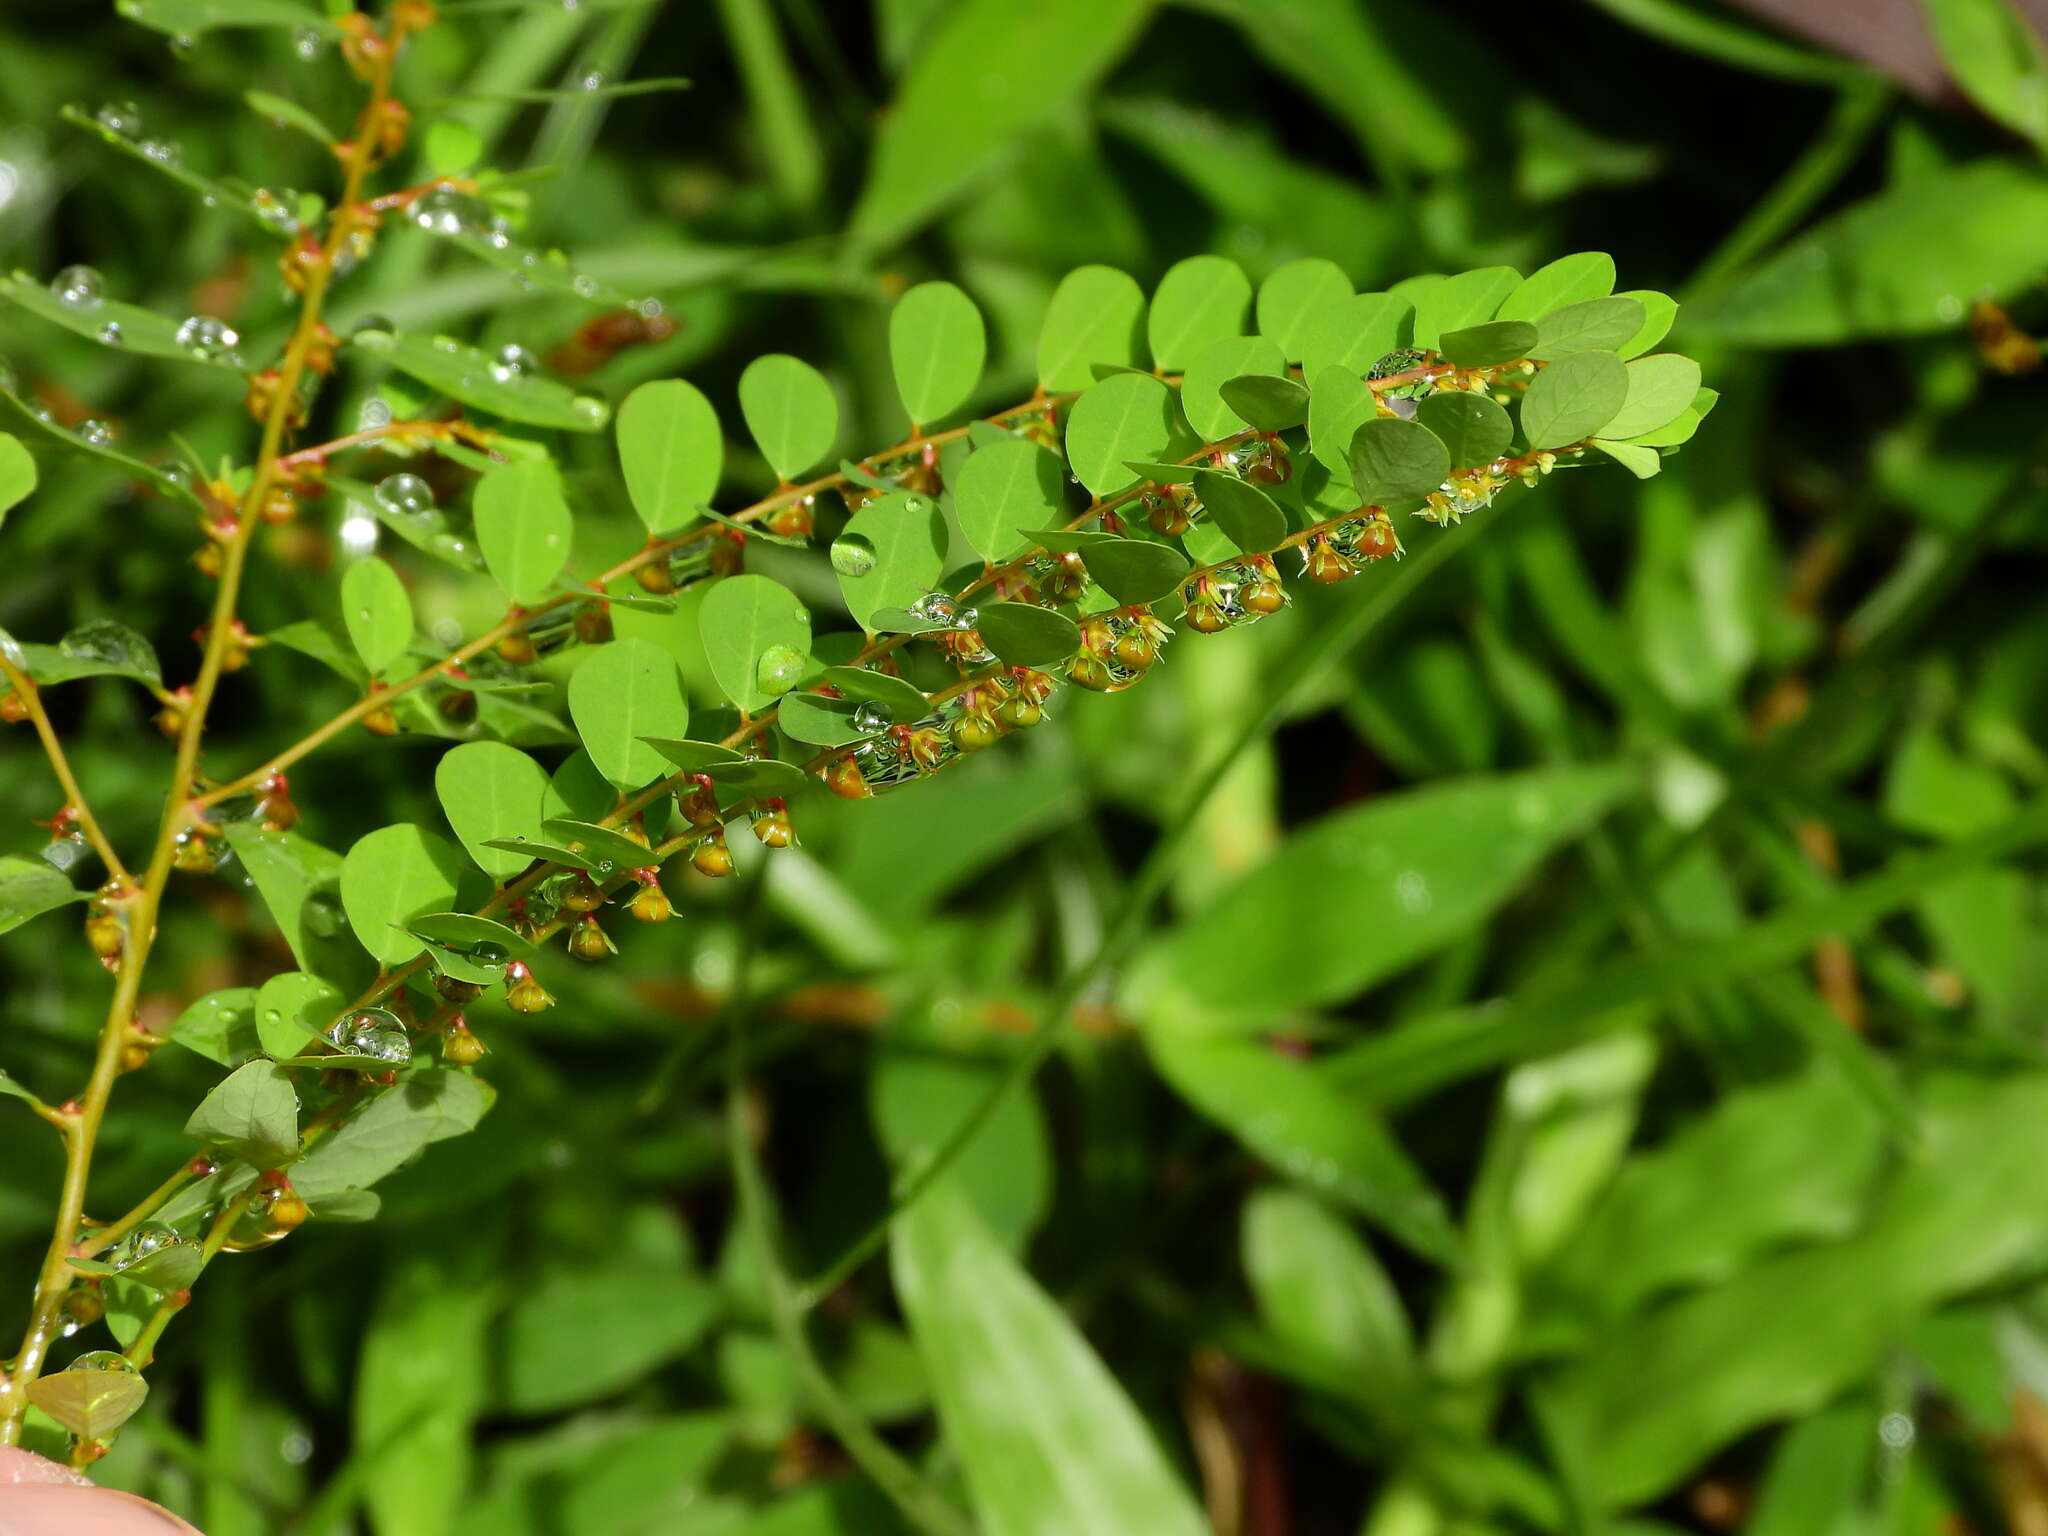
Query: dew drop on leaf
x=871, y=719
x=203, y=336
x=121, y=117
x=853, y=554
x=79, y=288
x=405, y=495
x=778, y=670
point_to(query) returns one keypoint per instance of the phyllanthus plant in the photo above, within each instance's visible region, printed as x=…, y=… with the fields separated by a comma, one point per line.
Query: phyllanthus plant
x=1171, y=472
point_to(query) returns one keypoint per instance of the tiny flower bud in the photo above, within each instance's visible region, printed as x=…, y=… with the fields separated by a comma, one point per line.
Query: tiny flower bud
x=517, y=647
x=523, y=994
x=650, y=903
x=843, y=777
x=594, y=623
x=580, y=893
x=712, y=857
x=728, y=552
x=457, y=991
x=655, y=576
x=588, y=941
x=13, y=707
x=773, y=826
x=460, y=1048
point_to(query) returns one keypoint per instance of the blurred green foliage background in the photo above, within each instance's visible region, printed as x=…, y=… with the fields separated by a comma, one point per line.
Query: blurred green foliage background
x=1650, y=888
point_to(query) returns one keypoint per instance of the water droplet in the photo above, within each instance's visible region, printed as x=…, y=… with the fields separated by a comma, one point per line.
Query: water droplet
x=104, y=1360
x=778, y=670
x=375, y=1033
x=648, y=309
x=94, y=434
x=871, y=719
x=966, y=618
x=585, y=285
x=177, y=474
x=853, y=554
x=488, y=953
x=307, y=43
x=588, y=408
x=445, y=211
x=149, y=1238
x=79, y=288
x=8, y=379
x=935, y=608
x=258, y=1225
x=376, y=412
x=162, y=151
x=512, y=362
x=405, y=495
x=122, y=117
x=594, y=80
x=1411, y=890
x=112, y=335
x=378, y=323
x=205, y=337
x=276, y=210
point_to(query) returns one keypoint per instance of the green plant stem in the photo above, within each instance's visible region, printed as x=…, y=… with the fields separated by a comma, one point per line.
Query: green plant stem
x=74, y=798
x=1306, y=668
x=1857, y=111
x=179, y=811
x=146, y=1207
x=920, y=1503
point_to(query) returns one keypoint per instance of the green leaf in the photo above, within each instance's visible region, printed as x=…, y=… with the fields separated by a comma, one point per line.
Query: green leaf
x=604, y=849
x=1568, y=280
x=1002, y=488
x=429, y=1105
x=1248, y=517
x=1394, y=462
x=477, y=379
x=22, y=417
x=1027, y=636
x=300, y=882
x=1802, y=1324
x=904, y=700
x=523, y=524
x=1200, y=301
x=1134, y=571
x=1573, y=399
x=620, y=693
x=1993, y=52
x=1097, y=316
x=1415, y=870
x=1762, y=1169
x=190, y=18
x=529, y=849
x=1906, y=262
x=377, y=611
x=937, y=346
x=1597, y=325
x=89, y=1403
x=740, y=619
x=292, y=1008
x=1322, y=1292
x=392, y=875
x=1473, y=429
x=322, y=642
x=1267, y=404
x=96, y=648
x=1201, y=398
x=221, y=1026
x=585, y=1333
x=1460, y=301
x=791, y=411
x=1292, y=294
x=287, y=113
x=818, y=721
x=450, y=147
x=1339, y=403
x=1482, y=346
x=671, y=450
x=1045, y=1436
x=1659, y=388
x=29, y=888
x=1354, y=333
x=252, y=1113
x=488, y=789
x=1126, y=416
x=17, y=474
x=1659, y=311
x=1640, y=461
x=465, y=930
x=918, y=1095
x=905, y=534
x=110, y=322
x=938, y=137
x=1300, y=1121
